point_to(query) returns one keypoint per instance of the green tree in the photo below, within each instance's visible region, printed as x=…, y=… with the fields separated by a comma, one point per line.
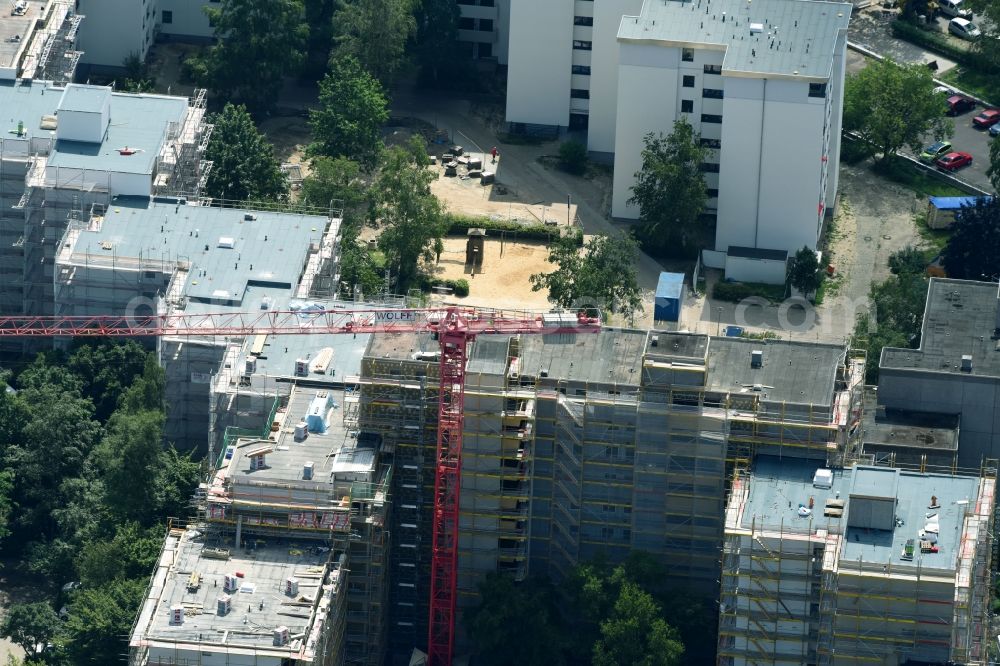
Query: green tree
x=6, y=502
x=908, y=261
x=993, y=170
x=334, y=182
x=670, y=191
x=105, y=369
x=803, y=271
x=636, y=633
x=973, y=251
x=244, y=167
x=892, y=106
x=516, y=623
x=352, y=110
x=319, y=40
x=573, y=156
x=408, y=215
x=131, y=554
x=27, y=625
x=602, y=276
x=138, y=78
x=100, y=620
x=376, y=33
x=259, y=42
x=435, y=43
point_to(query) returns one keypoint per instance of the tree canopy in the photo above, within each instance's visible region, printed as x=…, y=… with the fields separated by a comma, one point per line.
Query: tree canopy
x=244, y=167
x=27, y=625
x=973, y=251
x=670, y=191
x=352, y=110
x=603, y=276
x=408, y=215
x=376, y=33
x=892, y=106
x=803, y=271
x=259, y=42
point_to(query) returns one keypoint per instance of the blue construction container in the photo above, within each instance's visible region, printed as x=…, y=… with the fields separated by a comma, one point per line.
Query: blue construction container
x=669, y=297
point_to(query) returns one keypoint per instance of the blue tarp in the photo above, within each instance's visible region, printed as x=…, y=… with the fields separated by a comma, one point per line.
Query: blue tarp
x=954, y=203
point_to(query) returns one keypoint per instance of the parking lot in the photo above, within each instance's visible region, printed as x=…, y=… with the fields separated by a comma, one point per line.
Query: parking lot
x=974, y=141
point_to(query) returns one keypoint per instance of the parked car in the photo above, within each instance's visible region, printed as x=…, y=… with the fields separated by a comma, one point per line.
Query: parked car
x=955, y=9
x=953, y=161
x=987, y=118
x=958, y=104
x=995, y=130
x=934, y=151
x=963, y=28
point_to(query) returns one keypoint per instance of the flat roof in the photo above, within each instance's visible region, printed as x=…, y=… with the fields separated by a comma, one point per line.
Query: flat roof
x=19, y=28
x=138, y=121
x=787, y=38
x=959, y=319
x=227, y=253
x=258, y=607
x=338, y=454
x=779, y=486
x=678, y=346
x=670, y=285
x=900, y=428
x=613, y=356
x=84, y=98
x=795, y=372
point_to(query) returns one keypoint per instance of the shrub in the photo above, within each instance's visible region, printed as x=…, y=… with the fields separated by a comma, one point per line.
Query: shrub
x=933, y=40
x=461, y=287
x=734, y=292
x=459, y=225
x=573, y=156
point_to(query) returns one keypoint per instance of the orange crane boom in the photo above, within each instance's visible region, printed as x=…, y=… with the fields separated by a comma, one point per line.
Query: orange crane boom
x=454, y=327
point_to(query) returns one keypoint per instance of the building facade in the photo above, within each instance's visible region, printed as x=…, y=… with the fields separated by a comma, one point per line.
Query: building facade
x=483, y=27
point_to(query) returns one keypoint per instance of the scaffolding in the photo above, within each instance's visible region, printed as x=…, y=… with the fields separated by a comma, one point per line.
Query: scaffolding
x=180, y=168
x=51, y=54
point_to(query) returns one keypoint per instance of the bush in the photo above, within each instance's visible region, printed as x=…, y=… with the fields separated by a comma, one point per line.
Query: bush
x=461, y=287
x=734, y=292
x=459, y=225
x=573, y=157
x=458, y=287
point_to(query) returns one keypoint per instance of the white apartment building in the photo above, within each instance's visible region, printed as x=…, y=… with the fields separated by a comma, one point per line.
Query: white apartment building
x=763, y=86
x=483, y=28
x=117, y=28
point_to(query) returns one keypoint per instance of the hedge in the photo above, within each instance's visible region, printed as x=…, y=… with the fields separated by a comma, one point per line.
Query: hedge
x=734, y=292
x=459, y=225
x=458, y=287
x=933, y=40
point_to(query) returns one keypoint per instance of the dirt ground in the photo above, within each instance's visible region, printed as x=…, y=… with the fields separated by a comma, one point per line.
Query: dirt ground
x=503, y=282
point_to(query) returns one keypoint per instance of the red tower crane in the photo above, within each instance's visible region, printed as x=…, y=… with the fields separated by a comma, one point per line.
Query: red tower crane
x=454, y=327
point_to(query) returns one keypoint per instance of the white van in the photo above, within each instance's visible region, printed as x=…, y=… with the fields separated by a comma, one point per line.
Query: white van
x=955, y=9
x=964, y=29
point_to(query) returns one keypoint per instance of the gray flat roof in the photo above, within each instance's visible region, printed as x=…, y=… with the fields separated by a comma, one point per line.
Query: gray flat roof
x=269, y=251
x=959, y=320
x=779, y=486
x=613, y=356
x=259, y=607
x=877, y=482
x=16, y=26
x=794, y=372
x=137, y=121
x=796, y=40
x=84, y=98
x=690, y=346
x=337, y=451
x=906, y=429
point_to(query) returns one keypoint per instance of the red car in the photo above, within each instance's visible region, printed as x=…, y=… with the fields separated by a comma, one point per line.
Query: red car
x=987, y=118
x=958, y=104
x=953, y=161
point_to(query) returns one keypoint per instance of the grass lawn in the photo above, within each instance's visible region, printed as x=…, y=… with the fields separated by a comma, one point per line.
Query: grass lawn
x=923, y=184
x=981, y=85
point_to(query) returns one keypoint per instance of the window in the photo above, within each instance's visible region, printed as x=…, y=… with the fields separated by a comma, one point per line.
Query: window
x=466, y=23
x=583, y=20
x=687, y=55
x=578, y=93
x=687, y=106
x=485, y=3
x=486, y=25
x=708, y=167
x=467, y=2
x=485, y=50
x=712, y=193
x=168, y=17
x=581, y=69
x=711, y=143
x=688, y=81
x=710, y=118
x=817, y=90
x=711, y=93
x=712, y=69
x=581, y=45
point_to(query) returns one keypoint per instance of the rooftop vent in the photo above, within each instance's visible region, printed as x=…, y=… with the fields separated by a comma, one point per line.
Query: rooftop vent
x=291, y=586
x=757, y=358
x=223, y=605
x=966, y=363
x=227, y=242
x=307, y=471
x=177, y=614
x=281, y=636
x=756, y=28
x=231, y=583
